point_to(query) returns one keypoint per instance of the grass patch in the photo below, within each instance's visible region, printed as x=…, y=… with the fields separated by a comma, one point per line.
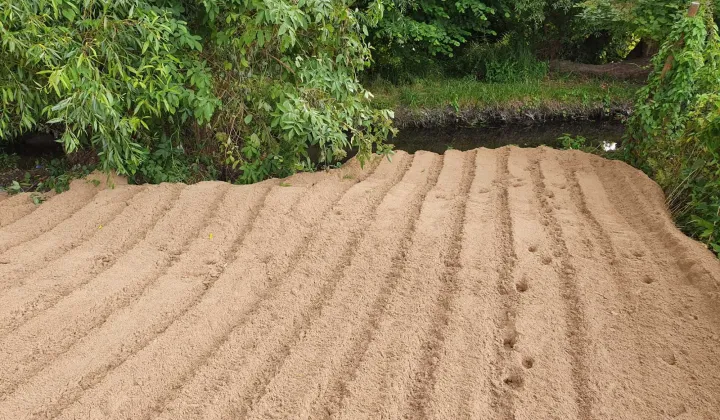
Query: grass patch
x=461, y=94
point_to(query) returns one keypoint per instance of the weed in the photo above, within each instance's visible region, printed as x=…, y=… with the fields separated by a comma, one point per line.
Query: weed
x=37, y=199
x=8, y=161
x=572, y=142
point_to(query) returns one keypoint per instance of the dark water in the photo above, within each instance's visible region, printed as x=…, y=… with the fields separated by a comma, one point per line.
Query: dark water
x=439, y=140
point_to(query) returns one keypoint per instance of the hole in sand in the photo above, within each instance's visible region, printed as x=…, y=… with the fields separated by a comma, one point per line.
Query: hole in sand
x=510, y=340
x=514, y=380
x=648, y=280
x=522, y=286
x=532, y=248
x=546, y=260
x=668, y=357
x=528, y=362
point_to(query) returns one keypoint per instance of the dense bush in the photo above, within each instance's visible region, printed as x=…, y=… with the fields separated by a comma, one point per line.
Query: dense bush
x=618, y=27
x=287, y=75
x=268, y=79
x=509, y=60
x=674, y=133
x=110, y=73
x=414, y=38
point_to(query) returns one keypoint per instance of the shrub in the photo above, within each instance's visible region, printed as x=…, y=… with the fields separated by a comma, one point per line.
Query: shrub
x=674, y=133
x=110, y=72
x=268, y=78
x=287, y=74
x=509, y=60
x=415, y=39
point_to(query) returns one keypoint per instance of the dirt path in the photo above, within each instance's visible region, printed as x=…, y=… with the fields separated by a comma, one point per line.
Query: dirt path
x=509, y=283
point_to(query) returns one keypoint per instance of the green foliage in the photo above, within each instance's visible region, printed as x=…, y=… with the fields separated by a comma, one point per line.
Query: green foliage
x=431, y=26
x=415, y=38
x=570, y=142
x=287, y=73
x=24, y=185
x=128, y=77
x=8, y=161
x=166, y=163
x=48, y=175
x=555, y=95
x=506, y=61
x=109, y=72
x=648, y=19
x=674, y=133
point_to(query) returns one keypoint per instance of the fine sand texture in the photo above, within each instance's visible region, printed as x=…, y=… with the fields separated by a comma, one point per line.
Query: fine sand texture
x=489, y=284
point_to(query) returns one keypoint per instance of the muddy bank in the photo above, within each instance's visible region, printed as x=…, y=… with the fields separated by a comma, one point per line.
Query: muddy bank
x=521, y=115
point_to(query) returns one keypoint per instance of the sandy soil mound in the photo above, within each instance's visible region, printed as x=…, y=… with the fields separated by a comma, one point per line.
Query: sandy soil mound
x=507, y=283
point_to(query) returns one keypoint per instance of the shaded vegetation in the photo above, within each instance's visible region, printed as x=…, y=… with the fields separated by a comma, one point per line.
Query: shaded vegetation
x=674, y=134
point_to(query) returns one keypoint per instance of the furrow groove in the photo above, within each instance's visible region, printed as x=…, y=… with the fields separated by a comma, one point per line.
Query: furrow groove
x=40, y=291
x=425, y=376
x=574, y=309
x=216, y=297
x=260, y=384
x=81, y=194
x=26, y=258
x=505, y=375
x=169, y=238
x=366, y=269
x=261, y=340
x=510, y=283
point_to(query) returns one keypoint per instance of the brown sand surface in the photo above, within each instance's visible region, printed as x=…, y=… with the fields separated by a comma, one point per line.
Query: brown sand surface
x=490, y=284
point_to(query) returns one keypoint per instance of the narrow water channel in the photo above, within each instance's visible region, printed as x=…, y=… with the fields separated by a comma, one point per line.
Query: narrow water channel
x=439, y=140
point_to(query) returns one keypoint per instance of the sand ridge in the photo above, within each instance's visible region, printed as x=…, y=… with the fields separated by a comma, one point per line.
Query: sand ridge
x=509, y=283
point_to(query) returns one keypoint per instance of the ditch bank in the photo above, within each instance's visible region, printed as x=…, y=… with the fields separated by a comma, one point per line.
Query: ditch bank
x=519, y=114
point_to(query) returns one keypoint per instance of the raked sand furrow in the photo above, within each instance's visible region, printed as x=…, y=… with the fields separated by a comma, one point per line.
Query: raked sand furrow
x=258, y=343
x=603, y=287
x=505, y=284
x=415, y=182
x=574, y=310
x=425, y=375
x=59, y=209
x=29, y=256
x=26, y=297
x=464, y=373
x=15, y=207
x=386, y=376
x=92, y=304
x=369, y=267
x=687, y=253
x=630, y=329
x=265, y=257
x=537, y=368
x=505, y=376
x=132, y=328
x=678, y=318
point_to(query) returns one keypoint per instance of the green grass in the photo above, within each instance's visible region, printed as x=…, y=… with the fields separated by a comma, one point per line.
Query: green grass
x=468, y=93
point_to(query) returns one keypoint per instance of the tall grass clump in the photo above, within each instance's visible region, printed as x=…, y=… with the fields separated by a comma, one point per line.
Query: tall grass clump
x=509, y=60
